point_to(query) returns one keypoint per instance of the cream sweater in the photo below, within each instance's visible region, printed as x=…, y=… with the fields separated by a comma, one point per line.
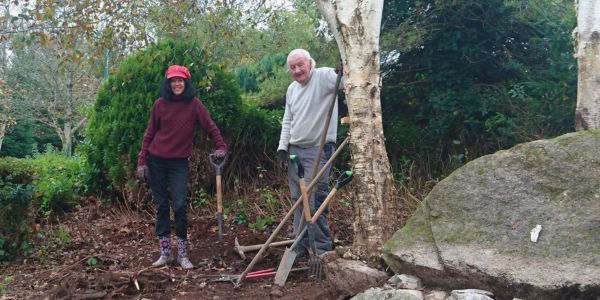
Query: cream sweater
x=306, y=108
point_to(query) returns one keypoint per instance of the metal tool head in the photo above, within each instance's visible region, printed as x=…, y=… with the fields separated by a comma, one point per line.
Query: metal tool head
x=315, y=267
x=314, y=262
x=217, y=163
x=285, y=266
x=287, y=260
x=239, y=250
x=226, y=278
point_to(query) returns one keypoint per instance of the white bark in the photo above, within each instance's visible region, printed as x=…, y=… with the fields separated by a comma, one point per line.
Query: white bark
x=587, y=52
x=356, y=27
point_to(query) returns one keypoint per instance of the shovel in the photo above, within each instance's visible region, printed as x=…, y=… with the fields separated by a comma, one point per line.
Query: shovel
x=287, y=260
x=289, y=256
x=214, y=161
x=288, y=215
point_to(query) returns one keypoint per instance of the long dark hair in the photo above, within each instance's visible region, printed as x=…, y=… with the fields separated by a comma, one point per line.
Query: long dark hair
x=188, y=92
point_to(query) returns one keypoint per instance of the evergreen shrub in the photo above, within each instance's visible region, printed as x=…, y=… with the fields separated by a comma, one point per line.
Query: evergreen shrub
x=467, y=78
x=16, y=190
x=124, y=102
x=19, y=141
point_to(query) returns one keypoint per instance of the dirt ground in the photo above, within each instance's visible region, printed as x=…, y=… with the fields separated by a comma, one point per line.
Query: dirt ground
x=100, y=252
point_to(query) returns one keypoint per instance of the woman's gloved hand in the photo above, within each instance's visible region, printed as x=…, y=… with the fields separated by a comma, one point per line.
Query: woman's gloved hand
x=220, y=153
x=142, y=172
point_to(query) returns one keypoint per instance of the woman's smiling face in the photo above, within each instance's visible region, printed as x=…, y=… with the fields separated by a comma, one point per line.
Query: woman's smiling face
x=177, y=85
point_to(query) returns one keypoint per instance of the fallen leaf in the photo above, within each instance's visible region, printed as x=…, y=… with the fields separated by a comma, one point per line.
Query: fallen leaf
x=515, y=224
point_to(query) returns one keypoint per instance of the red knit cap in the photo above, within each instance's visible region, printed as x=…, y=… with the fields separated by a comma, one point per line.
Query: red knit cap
x=178, y=71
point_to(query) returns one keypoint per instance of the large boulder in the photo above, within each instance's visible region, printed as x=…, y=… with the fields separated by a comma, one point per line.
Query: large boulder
x=475, y=225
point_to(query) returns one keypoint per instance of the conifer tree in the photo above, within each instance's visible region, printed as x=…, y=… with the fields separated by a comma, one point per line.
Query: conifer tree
x=122, y=108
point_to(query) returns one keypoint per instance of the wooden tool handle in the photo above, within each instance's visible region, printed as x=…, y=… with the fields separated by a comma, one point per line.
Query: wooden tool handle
x=305, y=200
x=323, y=206
x=219, y=195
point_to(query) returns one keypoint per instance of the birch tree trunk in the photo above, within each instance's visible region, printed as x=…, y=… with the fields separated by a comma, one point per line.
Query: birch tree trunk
x=356, y=27
x=68, y=120
x=587, y=52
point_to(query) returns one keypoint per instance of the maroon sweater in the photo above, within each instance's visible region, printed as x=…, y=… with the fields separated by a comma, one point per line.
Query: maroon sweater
x=171, y=128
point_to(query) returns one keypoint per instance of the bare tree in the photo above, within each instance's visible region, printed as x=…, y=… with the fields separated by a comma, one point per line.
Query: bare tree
x=6, y=115
x=356, y=27
x=587, y=52
x=51, y=91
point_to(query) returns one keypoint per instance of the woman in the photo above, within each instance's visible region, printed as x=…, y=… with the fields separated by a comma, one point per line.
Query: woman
x=166, y=148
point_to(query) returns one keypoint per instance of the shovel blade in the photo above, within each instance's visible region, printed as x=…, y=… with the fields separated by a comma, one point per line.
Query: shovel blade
x=285, y=266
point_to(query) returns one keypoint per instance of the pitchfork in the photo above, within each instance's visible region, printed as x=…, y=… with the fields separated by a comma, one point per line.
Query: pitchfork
x=314, y=263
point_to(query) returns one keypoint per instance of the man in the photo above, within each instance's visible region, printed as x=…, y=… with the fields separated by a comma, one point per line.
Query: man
x=307, y=104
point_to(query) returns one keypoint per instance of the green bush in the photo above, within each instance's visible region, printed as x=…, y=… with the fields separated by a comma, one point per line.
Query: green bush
x=58, y=180
x=468, y=78
x=266, y=81
x=16, y=190
x=122, y=108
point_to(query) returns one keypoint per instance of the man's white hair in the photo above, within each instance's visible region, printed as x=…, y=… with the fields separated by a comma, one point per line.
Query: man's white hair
x=303, y=53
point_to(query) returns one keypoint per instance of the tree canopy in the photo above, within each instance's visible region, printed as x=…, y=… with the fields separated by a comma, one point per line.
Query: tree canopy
x=466, y=78
x=124, y=102
x=460, y=78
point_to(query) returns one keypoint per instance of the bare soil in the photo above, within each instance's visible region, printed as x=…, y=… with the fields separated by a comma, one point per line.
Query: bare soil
x=105, y=252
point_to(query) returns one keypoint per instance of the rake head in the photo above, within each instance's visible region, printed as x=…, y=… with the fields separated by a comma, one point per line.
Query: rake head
x=315, y=267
